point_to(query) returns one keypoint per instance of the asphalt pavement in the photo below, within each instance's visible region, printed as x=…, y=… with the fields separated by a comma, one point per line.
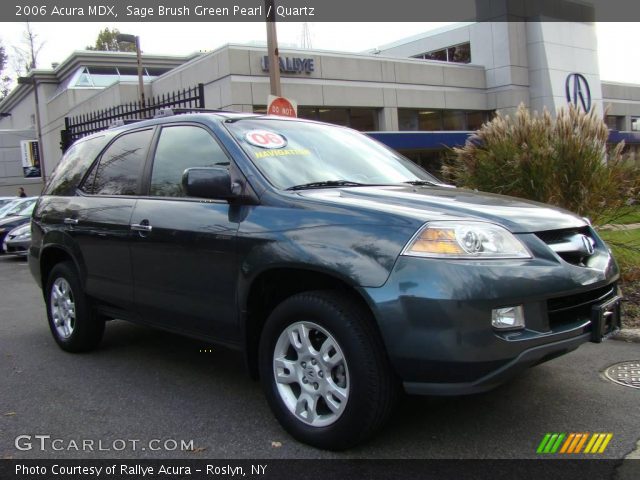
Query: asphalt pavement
x=150, y=390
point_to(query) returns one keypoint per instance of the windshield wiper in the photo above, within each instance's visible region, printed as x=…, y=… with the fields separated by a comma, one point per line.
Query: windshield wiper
x=422, y=182
x=327, y=183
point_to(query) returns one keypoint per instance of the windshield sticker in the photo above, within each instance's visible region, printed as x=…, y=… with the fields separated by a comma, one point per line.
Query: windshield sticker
x=282, y=153
x=265, y=139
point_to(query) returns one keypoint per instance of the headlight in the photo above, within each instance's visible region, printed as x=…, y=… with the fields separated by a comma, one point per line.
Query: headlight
x=465, y=240
x=24, y=236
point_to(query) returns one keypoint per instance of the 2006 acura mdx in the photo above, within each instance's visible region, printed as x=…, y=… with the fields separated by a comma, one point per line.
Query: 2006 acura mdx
x=342, y=270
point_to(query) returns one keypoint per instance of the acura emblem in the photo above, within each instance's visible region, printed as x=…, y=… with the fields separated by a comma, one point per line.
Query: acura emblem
x=577, y=91
x=589, y=244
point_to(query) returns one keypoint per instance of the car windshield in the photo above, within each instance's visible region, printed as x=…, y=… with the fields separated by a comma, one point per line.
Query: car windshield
x=10, y=206
x=27, y=208
x=22, y=207
x=294, y=155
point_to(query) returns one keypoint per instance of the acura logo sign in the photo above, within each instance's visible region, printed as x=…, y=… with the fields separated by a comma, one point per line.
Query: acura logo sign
x=578, y=91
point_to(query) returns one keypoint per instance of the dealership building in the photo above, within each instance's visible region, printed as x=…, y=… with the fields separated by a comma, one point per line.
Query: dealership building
x=418, y=94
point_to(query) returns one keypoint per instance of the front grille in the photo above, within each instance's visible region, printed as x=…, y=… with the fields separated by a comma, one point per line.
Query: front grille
x=569, y=244
x=571, y=308
x=558, y=236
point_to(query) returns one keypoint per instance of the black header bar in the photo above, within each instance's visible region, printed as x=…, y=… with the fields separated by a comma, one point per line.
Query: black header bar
x=318, y=10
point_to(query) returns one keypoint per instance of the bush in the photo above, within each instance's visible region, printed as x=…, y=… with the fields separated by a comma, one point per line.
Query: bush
x=563, y=161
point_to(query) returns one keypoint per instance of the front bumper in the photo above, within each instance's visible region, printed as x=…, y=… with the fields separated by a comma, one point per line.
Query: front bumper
x=16, y=247
x=526, y=359
x=435, y=317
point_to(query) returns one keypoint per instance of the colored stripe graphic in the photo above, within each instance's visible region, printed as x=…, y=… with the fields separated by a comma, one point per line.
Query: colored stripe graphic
x=581, y=443
x=568, y=442
x=605, y=443
x=550, y=443
x=543, y=443
x=573, y=443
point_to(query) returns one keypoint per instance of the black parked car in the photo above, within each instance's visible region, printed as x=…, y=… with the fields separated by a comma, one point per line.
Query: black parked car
x=342, y=270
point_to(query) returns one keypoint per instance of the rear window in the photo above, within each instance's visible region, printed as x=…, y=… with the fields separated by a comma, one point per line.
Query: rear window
x=119, y=170
x=73, y=166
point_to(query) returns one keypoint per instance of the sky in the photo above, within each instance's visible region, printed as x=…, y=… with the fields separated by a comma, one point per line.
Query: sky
x=618, y=60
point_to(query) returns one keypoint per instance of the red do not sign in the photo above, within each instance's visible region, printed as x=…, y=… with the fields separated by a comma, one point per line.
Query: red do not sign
x=281, y=106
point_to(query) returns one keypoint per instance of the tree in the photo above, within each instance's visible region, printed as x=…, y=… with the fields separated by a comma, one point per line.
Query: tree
x=26, y=55
x=106, y=42
x=5, y=80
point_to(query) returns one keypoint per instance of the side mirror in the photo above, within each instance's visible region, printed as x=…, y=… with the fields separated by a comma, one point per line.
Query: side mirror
x=210, y=182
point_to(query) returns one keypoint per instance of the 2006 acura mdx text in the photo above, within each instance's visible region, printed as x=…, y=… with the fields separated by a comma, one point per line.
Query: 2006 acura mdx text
x=343, y=271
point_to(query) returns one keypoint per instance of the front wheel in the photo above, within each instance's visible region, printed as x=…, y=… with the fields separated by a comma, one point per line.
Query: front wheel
x=73, y=323
x=324, y=370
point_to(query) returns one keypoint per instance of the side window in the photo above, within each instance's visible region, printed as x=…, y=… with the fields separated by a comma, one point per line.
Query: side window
x=73, y=166
x=120, y=167
x=181, y=147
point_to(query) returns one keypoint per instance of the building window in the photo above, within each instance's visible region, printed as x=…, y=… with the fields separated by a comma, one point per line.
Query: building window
x=614, y=122
x=362, y=119
x=456, y=53
x=635, y=124
x=430, y=160
x=436, y=120
x=454, y=120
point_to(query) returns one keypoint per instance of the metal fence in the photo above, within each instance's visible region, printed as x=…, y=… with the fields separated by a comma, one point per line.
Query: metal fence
x=82, y=125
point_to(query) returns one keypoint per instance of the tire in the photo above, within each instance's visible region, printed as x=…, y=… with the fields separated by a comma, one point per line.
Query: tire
x=73, y=323
x=321, y=399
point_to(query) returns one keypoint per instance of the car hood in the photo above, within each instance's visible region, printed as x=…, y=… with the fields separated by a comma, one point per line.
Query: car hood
x=13, y=221
x=443, y=203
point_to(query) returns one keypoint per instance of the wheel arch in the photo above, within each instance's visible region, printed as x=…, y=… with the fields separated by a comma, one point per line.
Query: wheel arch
x=50, y=256
x=270, y=287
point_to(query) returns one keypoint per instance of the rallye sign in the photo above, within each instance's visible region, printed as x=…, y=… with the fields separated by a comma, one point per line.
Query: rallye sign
x=290, y=64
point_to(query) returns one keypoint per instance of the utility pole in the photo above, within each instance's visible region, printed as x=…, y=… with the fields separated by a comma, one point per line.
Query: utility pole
x=272, y=48
x=135, y=40
x=140, y=79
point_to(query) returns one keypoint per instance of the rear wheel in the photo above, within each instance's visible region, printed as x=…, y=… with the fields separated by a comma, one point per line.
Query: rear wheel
x=324, y=370
x=73, y=323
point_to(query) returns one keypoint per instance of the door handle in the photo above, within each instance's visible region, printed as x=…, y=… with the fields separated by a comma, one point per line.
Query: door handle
x=141, y=227
x=70, y=221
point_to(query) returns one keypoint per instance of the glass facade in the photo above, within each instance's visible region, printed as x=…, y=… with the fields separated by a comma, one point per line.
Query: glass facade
x=103, y=76
x=430, y=160
x=614, y=122
x=456, y=53
x=412, y=119
x=362, y=119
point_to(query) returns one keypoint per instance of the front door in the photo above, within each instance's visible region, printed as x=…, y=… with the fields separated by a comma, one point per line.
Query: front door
x=184, y=249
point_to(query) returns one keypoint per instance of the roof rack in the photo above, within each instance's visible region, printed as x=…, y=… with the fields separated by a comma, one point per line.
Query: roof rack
x=121, y=122
x=168, y=112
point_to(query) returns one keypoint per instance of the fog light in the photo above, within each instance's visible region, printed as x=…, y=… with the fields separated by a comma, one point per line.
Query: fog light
x=508, y=318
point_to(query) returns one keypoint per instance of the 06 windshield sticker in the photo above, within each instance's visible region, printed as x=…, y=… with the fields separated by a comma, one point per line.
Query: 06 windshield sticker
x=265, y=139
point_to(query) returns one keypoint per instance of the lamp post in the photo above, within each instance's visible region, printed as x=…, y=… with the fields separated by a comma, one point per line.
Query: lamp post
x=135, y=39
x=272, y=48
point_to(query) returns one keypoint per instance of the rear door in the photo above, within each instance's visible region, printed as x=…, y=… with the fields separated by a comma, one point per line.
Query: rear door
x=184, y=249
x=99, y=218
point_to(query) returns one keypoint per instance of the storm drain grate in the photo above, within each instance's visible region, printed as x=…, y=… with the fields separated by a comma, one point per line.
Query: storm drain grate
x=625, y=373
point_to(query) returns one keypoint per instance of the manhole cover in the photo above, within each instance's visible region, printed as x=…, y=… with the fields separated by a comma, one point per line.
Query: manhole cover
x=625, y=373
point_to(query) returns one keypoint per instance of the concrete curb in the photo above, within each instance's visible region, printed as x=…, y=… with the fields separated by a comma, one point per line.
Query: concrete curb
x=630, y=335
